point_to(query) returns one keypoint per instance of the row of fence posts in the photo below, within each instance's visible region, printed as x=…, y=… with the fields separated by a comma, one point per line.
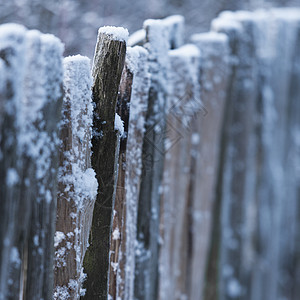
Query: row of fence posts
x=170, y=171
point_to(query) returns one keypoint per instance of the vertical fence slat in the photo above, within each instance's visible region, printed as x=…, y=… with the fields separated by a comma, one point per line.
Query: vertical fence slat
x=183, y=106
x=43, y=180
x=153, y=148
x=119, y=209
x=107, y=69
x=77, y=186
x=213, y=84
x=12, y=50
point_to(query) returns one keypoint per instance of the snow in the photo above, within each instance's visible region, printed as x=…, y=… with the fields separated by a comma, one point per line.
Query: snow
x=209, y=37
x=116, y=33
x=58, y=238
x=116, y=234
x=119, y=124
x=188, y=50
x=137, y=37
x=12, y=177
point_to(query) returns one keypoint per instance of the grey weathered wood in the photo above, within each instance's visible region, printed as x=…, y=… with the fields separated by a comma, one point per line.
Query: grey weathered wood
x=146, y=277
x=107, y=69
x=184, y=105
x=116, y=260
x=12, y=64
x=43, y=179
x=213, y=83
x=77, y=185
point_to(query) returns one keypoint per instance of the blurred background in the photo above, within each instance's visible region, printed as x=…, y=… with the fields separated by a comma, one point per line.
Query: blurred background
x=76, y=22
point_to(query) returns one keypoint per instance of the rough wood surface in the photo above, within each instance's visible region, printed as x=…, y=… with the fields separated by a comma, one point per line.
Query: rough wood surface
x=146, y=276
x=118, y=237
x=43, y=179
x=107, y=69
x=12, y=65
x=213, y=82
x=184, y=105
x=77, y=185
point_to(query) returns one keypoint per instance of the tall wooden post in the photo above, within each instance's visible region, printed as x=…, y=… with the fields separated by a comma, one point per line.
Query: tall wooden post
x=77, y=185
x=107, y=69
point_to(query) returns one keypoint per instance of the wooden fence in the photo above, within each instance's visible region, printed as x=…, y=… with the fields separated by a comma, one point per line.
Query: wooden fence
x=169, y=171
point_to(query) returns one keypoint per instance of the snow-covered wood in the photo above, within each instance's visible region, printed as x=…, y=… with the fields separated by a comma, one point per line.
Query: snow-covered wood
x=152, y=159
x=214, y=71
x=107, y=69
x=12, y=66
x=77, y=185
x=184, y=105
x=44, y=75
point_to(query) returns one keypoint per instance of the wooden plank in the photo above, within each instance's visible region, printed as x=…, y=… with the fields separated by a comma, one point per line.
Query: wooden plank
x=43, y=179
x=119, y=209
x=235, y=188
x=107, y=69
x=77, y=185
x=146, y=278
x=12, y=62
x=183, y=106
x=206, y=150
x=136, y=62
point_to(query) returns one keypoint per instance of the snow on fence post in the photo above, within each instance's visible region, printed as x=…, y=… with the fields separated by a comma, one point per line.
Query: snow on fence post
x=77, y=185
x=214, y=71
x=138, y=109
x=119, y=208
x=184, y=105
x=236, y=182
x=277, y=189
x=107, y=69
x=46, y=79
x=153, y=153
x=12, y=49
x=130, y=164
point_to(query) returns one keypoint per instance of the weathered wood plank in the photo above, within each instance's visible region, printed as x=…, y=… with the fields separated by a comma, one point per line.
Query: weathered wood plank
x=213, y=83
x=12, y=64
x=107, y=69
x=136, y=62
x=77, y=186
x=119, y=213
x=146, y=277
x=183, y=106
x=43, y=179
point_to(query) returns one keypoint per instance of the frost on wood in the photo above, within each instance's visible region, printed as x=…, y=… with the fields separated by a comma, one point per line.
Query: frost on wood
x=184, y=106
x=153, y=147
x=214, y=72
x=77, y=185
x=263, y=54
x=12, y=46
x=175, y=27
x=134, y=87
x=107, y=69
x=44, y=73
x=32, y=94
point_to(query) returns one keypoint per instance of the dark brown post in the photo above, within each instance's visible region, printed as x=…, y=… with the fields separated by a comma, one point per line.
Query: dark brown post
x=107, y=69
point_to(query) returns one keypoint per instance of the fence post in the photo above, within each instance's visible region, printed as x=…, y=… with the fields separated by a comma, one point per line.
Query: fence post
x=184, y=105
x=43, y=151
x=213, y=83
x=12, y=51
x=119, y=209
x=124, y=230
x=146, y=277
x=107, y=69
x=77, y=185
